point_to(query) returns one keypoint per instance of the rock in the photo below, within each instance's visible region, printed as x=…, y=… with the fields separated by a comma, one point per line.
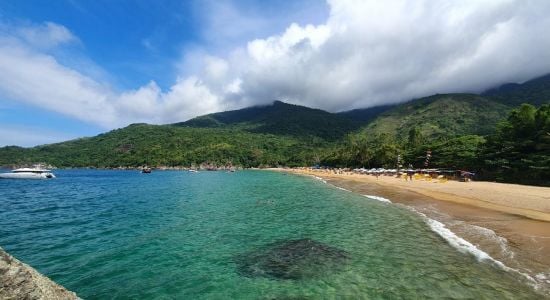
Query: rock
x=293, y=259
x=20, y=281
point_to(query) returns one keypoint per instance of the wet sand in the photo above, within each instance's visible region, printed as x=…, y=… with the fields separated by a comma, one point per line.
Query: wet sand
x=509, y=222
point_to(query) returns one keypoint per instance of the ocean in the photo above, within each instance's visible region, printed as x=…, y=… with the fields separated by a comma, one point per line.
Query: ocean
x=243, y=235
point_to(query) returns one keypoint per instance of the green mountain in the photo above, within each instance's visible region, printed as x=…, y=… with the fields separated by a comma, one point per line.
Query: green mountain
x=366, y=115
x=279, y=118
x=449, y=115
x=287, y=134
x=535, y=91
x=274, y=134
x=445, y=115
x=167, y=145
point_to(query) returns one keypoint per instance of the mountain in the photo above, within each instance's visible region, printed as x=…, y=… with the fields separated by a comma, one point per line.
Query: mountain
x=167, y=145
x=444, y=115
x=274, y=134
x=282, y=133
x=448, y=115
x=535, y=91
x=279, y=118
x=366, y=115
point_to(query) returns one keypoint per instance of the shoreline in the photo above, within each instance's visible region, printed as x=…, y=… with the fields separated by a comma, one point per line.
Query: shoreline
x=511, y=223
x=21, y=281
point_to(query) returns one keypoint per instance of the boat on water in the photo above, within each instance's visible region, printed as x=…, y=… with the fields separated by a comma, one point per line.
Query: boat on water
x=28, y=173
x=146, y=170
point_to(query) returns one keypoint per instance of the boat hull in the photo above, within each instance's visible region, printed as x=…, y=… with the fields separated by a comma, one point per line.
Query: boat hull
x=26, y=175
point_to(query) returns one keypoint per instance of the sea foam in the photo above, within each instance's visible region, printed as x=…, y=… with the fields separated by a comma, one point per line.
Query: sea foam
x=381, y=199
x=319, y=178
x=461, y=244
x=490, y=234
x=341, y=188
x=466, y=247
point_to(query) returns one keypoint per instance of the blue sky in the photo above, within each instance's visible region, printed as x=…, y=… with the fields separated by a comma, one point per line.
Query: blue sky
x=137, y=41
x=78, y=68
x=128, y=44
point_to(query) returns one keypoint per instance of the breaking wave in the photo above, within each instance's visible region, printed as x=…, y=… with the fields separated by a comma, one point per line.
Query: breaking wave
x=466, y=247
x=341, y=188
x=381, y=199
x=319, y=178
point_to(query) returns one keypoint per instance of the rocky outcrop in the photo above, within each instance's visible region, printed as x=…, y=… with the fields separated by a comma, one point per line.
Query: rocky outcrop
x=291, y=259
x=20, y=281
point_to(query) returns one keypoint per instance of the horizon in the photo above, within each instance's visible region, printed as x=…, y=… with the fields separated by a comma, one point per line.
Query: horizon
x=75, y=69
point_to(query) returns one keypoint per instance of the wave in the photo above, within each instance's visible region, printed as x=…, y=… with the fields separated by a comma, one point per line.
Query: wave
x=466, y=247
x=319, y=178
x=490, y=234
x=382, y=199
x=324, y=181
x=341, y=188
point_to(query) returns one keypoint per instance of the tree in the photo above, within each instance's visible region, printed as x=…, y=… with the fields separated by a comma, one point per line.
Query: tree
x=520, y=149
x=415, y=138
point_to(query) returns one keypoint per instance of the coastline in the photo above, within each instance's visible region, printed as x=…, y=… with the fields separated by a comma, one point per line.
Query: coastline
x=511, y=223
x=21, y=281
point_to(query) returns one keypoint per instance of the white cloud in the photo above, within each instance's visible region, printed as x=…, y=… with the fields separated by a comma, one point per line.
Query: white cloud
x=34, y=77
x=365, y=53
x=372, y=52
x=38, y=79
x=47, y=35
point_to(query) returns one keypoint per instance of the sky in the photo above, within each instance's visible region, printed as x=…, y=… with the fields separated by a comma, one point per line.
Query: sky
x=73, y=68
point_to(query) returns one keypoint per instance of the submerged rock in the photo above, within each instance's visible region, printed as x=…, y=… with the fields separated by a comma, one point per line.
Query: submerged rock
x=20, y=281
x=293, y=259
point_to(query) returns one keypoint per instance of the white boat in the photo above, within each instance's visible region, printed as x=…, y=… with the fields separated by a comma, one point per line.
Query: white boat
x=28, y=173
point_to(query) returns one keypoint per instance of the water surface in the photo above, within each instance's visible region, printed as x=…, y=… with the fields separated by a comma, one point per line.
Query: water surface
x=170, y=234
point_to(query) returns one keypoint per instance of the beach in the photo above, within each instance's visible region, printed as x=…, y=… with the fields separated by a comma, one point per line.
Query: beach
x=509, y=222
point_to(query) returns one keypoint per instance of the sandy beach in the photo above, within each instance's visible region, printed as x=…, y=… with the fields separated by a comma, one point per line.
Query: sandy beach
x=509, y=222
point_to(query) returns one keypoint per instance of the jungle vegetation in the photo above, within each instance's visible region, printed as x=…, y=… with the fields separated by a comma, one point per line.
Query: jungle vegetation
x=492, y=134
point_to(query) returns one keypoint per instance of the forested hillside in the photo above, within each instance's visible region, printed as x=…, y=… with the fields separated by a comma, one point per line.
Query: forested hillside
x=166, y=145
x=462, y=131
x=281, y=119
x=440, y=116
x=535, y=91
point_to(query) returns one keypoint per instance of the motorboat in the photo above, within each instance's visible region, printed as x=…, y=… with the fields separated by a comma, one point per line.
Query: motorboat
x=28, y=173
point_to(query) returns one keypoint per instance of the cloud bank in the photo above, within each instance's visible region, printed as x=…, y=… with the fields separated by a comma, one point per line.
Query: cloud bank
x=366, y=53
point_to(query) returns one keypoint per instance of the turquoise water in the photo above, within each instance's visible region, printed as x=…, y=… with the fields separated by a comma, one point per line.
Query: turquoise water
x=169, y=234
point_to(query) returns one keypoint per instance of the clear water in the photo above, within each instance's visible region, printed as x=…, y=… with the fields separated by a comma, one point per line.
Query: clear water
x=121, y=234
